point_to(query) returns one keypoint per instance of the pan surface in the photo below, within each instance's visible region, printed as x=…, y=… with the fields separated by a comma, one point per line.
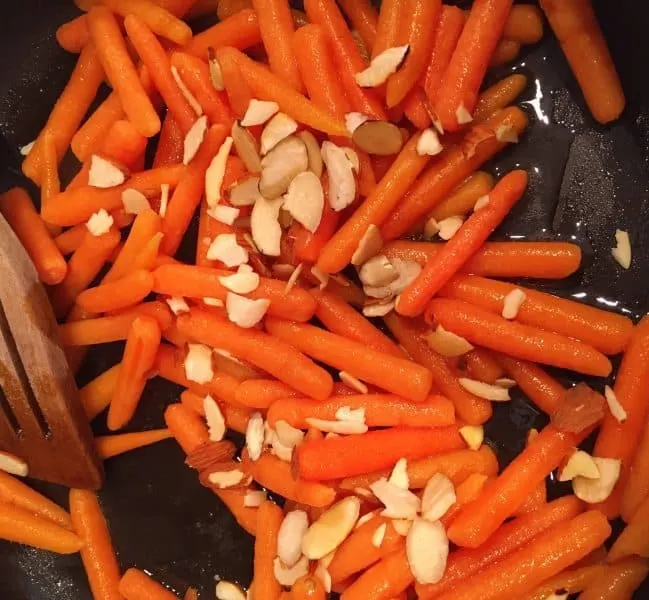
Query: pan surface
x=586, y=181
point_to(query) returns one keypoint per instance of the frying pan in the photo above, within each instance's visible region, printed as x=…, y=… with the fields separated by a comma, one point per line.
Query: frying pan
x=586, y=181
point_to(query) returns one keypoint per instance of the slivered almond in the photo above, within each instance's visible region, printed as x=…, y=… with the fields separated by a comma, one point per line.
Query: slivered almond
x=512, y=303
x=382, y=66
x=293, y=279
x=104, y=174
x=177, y=305
x=289, y=537
x=399, y=475
x=226, y=249
x=216, y=172
x=321, y=276
x=215, y=302
x=495, y=393
x=379, y=138
x=191, y=99
x=437, y=498
x=449, y=227
x=287, y=576
x=194, y=139
x=245, y=193
x=367, y=516
x=164, y=199
x=354, y=120
x=353, y=382
x=331, y=529
x=313, y=152
x=368, y=246
x=345, y=413
x=228, y=591
x=505, y=382
x=280, y=450
x=214, y=418
x=378, y=271
x=99, y=223
x=134, y=201
x=408, y=271
x=323, y=575
x=247, y=148
x=431, y=228
x=198, y=364
x=264, y=226
x=462, y=115
x=473, y=435
x=258, y=112
x=342, y=185
x=304, y=200
x=614, y=405
x=226, y=479
x=399, y=503
x=245, y=312
x=338, y=427
x=506, y=133
x=223, y=214
x=378, y=309
x=12, y=464
x=255, y=436
x=580, y=464
x=281, y=165
x=447, y=343
x=378, y=535
x=622, y=251
x=216, y=75
x=597, y=490
x=288, y=435
x=428, y=143
x=277, y=129
x=27, y=148
x=254, y=498
x=481, y=203
x=242, y=282
x=402, y=526
x=427, y=551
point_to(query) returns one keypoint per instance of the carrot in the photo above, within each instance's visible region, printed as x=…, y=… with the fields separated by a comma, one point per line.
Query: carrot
x=619, y=581
x=275, y=475
x=450, y=169
x=136, y=585
x=154, y=56
x=89, y=135
x=170, y=143
x=376, y=208
x=266, y=586
x=637, y=485
x=468, y=407
x=339, y=457
x=261, y=393
x=451, y=23
x=241, y=31
x=473, y=233
x=73, y=35
x=16, y=206
x=525, y=24
x=96, y=395
x=468, y=491
x=186, y=426
x=534, y=501
x=114, y=445
x=307, y=245
x=123, y=293
x=346, y=55
x=236, y=88
x=571, y=581
x=97, y=554
x=396, y=375
x=70, y=239
x=17, y=524
x=482, y=365
x=120, y=71
x=245, y=516
x=462, y=199
x=382, y=581
x=423, y=18
x=483, y=328
x=633, y=539
x=461, y=82
x=363, y=17
x=620, y=440
x=506, y=51
x=49, y=175
x=307, y=587
x=500, y=95
x=389, y=26
x=582, y=41
x=273, y=355
x=236, y=417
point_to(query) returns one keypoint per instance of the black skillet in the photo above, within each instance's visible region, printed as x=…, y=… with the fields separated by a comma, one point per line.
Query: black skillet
x=586, y=181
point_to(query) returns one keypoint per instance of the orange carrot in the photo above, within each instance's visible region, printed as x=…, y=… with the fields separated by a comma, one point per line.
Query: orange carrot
x=619, y=581
x=127, y=291
x=236, y=88
x=70, y=239
x=307, y=245
x=74, y=35
x=534, y=501
x=384, y=580
x=170, y=143
x=525, y=24
x=261, y=393
x=307, y=587
x=637, y=485
x=389, y=26
x=468, y=407
x=186, y=426
x=363, y=17
x=506, y=51
x=482, y=365
x=16, y=206
x=634, y=539
x=97, y=554
x=500, y=95
x=620, y=440
x=266, y=585
x=120, y=71
x=89, y=136
x=450, y=169
x=236, y=417
x=96, y=395
x=483, y=328
x=582, y=41
x=245, y=516
x=136, y=585
x=465, y=492
x=462, y=199
x=571, y=581
x=241, y=31
x=473, y=233
x=49, y=175
x=114, y=445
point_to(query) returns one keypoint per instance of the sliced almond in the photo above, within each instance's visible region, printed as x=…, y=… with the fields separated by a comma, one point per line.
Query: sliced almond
x=331, y=529
x=223, y=214
x=428, y=143
x=378, y=271
x=462, y=115
x=481, y=203
x=622, y=251
x=241, y=282
x=280, y=450
x=289, y=537
x=408, y=271
x=254, y=498
x=342, y=185
x=382, y=66
x=99, y=223
x=194, y=139
x=378, y=309
x=226, y=249
x=280, y=166
x=258, y=112
x=512, y=303
x=134, y=201
x=379, y=534
x=354, y=120
x=226, y=479
x=597, y=490
x=245, y=193
x=338, y=427
x=313, y=152
x=399, y=503
x=324, y=576
x=288, y=435
x=198, y=364
x=447, y=343
x=368, y=246
x=367, y=517
x=293, y=279
x=380, y=138
x=245, y=312
x=228, y=591
x=27, y=148
x=399, y=475
x=10, y=463
x=437, y=498
x=216, y=172
x=104, y=174
x=431, y=228
x=164, y=199
x=352, y=157
x=287, y=576
x=216, y=75
x=580, y=464
x=346, y=413
x=505, y=382
x=214, y=418
x=402, y=526
x=214, y=302
x=427, y=551
x=321, y=276
x=614, y=405
x=184, y=90
x=506, y=133
x=277, y=129
x=264, y=226
x=304, y=200
x=473, y=435
x=255, y=436
x=449, y=227
x=353, y=382
x=495, y=393
x=177, y=305
x=246, y=147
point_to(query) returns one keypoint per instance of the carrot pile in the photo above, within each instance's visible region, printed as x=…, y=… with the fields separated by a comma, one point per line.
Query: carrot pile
x=360, y=365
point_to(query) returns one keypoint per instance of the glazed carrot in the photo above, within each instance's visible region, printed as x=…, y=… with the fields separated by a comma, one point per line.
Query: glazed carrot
x=201, y=282
x=97, y=554
x=16, y=206
x=261, y=393
x=462, y=199
x=170, y=143
x=483, y=328
x=466, y=492
x=390, y=29
x=73, y=35
x=186, y=426
x=314, y=56
x=178, y=8
x=541, y=260
x=416, y=109
x=196, y=76
x=276, y=28
x=154, y=56
x=634, y=539
x=409, y=334
x=422, y=18
x=340, y=318
x=620, y=440
x=68, y=111
x=307, y=245
x=451, y=23
x=245, y=516
x=384, y=580
x=608, y=332
x=534, y=501
x=339, y=457
x=619, y=581
x=363, y=17
x=266, y=585
x=396, y=375
x=49, y=175
x=236, y=417
x=506, y=51
x=461, y=82
x=450, y=169
x=524, y=24
x=136, y=585
x=500, y=95
x=473, y=233
x=155, y=18
x=96, y=395
x=120, y=71
x=582, y=41
x=273, y=355
x=191, y=187
x=127, y=291
x=236, y=88
x=70, y=239
x=83, y=267
x=571, y=581
x=20, y=525
x=274, y=474
x=308, y=587
x=241, y=31
x=89, y=135
x=346, y=55
x=637, y=485
x=483, y=366
x=114, y=445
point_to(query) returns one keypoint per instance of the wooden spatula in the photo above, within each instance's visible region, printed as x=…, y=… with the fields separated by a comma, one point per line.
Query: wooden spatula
x=41, y=419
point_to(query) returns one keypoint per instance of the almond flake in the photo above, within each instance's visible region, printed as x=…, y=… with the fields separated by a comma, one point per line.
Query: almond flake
x=462, y=115
x=216, y=75
x=255, y=436
x=378, y=271
x=216, y=172
x=27, y=148
x=495, y=393
x=379, y=138
x=399, y=503
x=258, y=112
x=103, y=173
x=350, y=381
x=134, y=201
x=304, y=200
x=177, y=305
x=367, y=517
x=427, y=551
x=399, y=475
x=278, y=129
x=265, y=228
x=378, y=309
x=316, y=165
x=280, y=450
x=368, y=246
x=99, y=223
x=247, y=148
x=293, y=279
x=281, y=165
x=288, y=435
x=481, y=203
x=9, y=463
x=289, y=537
x=321, y=276
x=245, y=193
x=622, y=252
x=354, y=120
x=228, y=591
x=614, y=405
x=352, y=157
x=324, y=576
x=254, y=498
x=194, y=139
x=580, y=464
x=431, y=228
x=593, y=491
x=437, y=124
x=378, y=535
x=242, y=282
x=338, y=427
x=346, y=413
x=408, y=271
x=449, y=227
x=512, y=303
x=215, y=302
x=245, y=312
x=402, y=526
x=437, y=498
x=331, y=529
x=428, y=143
x=164, y=199
x=198, y=364
x=447, y=343
x=382, y=66
x=191, y=99
x=505, y=382
x=223, y=214
x=214, y=418
x=506, y=133
x=227, y=250
x=287, y=576
x=226, y=479
x=342, y=185
x=473, y=435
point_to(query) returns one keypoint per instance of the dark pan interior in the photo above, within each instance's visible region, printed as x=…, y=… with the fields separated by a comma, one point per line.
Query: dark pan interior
x=586, y=181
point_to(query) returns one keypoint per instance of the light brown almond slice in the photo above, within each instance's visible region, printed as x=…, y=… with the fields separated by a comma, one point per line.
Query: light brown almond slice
x=324, y=576
x=354, y=120
x=258, y=112
x=313, y=152
x=228, y=591
x=382, y=66
x=342, y=185
x=331, y=529
x=99, y=223
x=473, y=435
x=214, y=418
x=281, y=165
x=353, y=382
x=449, y=227
x=246, y=147
x=614, y=405
x=245, y=312
x=368, y=246
x=164, y=199
x=226, y=249
x=622, y=251
x=27, y=148
x=580, y=464
x=481, y=203
x=290, y=535
x=293, y=279
x=254, y=498
x=134, y=201
x=338, y=427
x=216, y=75
x=216, y=172
x=505, y=382
x=12, y=464
x=215, y=302
x=593, y=491
x=506, y=133
x=370, y=515
x=378, y=271
x=512, y=303
x=226, y=479
x=399, y=503
x=378, y=535
x=304, y=200
x=428, y=143
x=287, y=576
x=277, y=129
x=408, y=271
x=191, y=99
x=437, y=498
x=288, y=435
x=399, y=475
x=379, y=138
x=245, y=193
x=264, y=226
x=427, y=551
x=378, y=309
x=177, y=305
x=198, y=364
x=194, y=139
x=495, y=393
x=104, y=174
x=402, y=526
x=447, y=343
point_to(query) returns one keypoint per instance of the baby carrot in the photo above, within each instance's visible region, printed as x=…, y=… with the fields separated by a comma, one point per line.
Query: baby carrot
x=261, y=393
x=499, y=95
x=114, y=445
x=97, y=553
x=236, y=88
x=96, y=395
x=236, y=417
x=245, y=516
x=506, y=51
x=266, y=585
x=582, y=41
x=465, y=492
x=634, y=539
x=384, y=580
x=307, y=587
x=50, y=182
x=170, y=143
x=524, y=24
x=241, y=31
x=619, y=581
x=484, y=328
x=462, y=199
x=637, y=485
x=363, y=17
x=571, y=581
x=186, y=426
x=88, y=137
x=482, y=365
x=308, y=246
x=390, y=26
x=73, y=35
x=136, y=585
x=124, y=292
